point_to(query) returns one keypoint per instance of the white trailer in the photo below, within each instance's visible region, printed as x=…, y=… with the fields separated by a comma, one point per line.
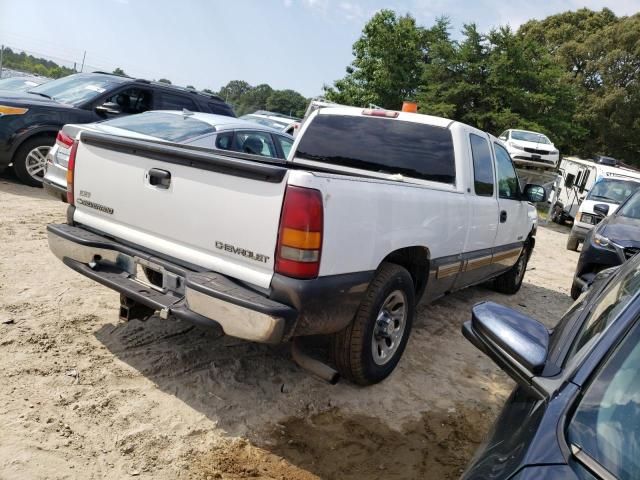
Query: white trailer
x=575, y=179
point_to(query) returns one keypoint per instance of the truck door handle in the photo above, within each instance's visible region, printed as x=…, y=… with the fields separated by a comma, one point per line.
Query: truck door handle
x=159, y=178
x=503, y=216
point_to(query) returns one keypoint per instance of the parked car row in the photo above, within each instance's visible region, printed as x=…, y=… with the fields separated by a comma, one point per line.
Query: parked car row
x=30, y=121
x=195, y=129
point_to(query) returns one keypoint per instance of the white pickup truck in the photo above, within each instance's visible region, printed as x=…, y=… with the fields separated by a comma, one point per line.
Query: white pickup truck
x=371, y=211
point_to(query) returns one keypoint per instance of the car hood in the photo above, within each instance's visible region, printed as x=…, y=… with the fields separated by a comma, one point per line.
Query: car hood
x=24, y=99
x=624, y=231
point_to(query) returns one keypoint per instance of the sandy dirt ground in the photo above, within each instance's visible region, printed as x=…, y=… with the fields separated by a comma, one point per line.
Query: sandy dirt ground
x=85, y=396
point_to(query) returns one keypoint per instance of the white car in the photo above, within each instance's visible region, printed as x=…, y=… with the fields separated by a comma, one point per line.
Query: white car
x=373, y=210
x=277, y=121
x=530, y=148
x=197, y=129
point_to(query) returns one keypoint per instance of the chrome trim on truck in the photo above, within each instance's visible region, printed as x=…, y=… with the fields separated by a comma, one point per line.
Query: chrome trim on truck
x=235, y=315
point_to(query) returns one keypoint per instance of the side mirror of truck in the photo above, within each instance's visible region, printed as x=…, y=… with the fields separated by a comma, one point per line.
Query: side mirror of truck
x=601, y=209
x=534, y=193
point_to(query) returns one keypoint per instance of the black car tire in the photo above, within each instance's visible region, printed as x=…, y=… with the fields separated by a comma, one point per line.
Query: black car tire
x=352, y=348
x=511, y=281
x=572, y=243
x=20, y=158
x=557, y=215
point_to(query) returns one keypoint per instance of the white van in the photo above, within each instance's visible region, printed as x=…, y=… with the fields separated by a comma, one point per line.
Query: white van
x=576, y=178
x=606, y=194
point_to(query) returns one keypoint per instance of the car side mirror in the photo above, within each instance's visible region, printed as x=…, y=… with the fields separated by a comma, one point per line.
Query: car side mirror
x=534, y=193
x=601, y=209
x=109, y=108
x=518, y=344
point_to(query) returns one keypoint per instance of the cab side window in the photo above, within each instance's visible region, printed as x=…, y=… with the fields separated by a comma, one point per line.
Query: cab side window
x=508, y=186
x=224, y=141
x=482, y=165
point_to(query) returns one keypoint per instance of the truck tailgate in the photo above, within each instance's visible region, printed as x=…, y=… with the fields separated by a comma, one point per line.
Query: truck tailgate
x=213, y=211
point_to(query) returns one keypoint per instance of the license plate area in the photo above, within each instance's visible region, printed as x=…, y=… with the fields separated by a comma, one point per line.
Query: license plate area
x=157, y=277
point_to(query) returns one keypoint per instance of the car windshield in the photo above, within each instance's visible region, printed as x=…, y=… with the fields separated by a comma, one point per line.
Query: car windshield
x=613, y=191
x=631, y=208
x=267, y=122
x=166, y=126
x=75, y=89
x=529, y=137
x=17, y=83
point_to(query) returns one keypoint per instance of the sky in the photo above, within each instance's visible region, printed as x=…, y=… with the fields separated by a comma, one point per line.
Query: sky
x=297, y=44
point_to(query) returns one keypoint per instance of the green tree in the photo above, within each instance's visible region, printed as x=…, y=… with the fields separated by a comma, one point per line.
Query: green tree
x=287, y=102
x=387, y=66
x=119, y=71
x=165, y=80
x=191, y=87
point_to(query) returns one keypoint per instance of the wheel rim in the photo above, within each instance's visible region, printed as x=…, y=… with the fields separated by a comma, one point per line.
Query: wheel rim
x=389, y=328
x=36, y=162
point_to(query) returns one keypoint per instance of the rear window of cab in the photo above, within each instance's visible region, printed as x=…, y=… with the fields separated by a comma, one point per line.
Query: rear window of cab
x=381, y=145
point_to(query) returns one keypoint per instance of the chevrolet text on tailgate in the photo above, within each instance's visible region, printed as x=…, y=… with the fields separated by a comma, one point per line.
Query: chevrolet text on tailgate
x=372, y=211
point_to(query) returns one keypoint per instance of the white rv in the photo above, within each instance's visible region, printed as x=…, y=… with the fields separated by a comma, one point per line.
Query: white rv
x=576, y=178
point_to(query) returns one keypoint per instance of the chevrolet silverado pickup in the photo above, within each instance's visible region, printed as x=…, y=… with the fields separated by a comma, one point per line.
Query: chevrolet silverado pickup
x=371, y=211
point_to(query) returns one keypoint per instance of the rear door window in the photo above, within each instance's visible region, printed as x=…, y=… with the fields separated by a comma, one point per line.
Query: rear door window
x=285, y=144
x=381, y=145
x=170, y=101
x=132, y=100
x=482, y=165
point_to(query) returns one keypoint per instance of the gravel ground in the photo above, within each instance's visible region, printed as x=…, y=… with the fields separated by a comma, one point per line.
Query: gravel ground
x=85, y=396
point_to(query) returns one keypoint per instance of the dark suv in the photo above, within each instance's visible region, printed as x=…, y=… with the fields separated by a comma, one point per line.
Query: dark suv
x=29, y=121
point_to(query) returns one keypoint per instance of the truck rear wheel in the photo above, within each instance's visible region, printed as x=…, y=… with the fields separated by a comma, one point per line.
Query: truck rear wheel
x=572, y=243
x=511, y=281
x=369, y=349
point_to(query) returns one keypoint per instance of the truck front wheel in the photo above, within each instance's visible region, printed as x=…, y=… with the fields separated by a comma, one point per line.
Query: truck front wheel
x=511, y=281
x=369, y=349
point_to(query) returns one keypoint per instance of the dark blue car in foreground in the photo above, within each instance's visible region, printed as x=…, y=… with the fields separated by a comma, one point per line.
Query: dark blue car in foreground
x=575, y=413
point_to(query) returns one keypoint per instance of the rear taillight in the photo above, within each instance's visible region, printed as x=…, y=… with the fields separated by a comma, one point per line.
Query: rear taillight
x=300, y=237
x=70, y=171
x=64, y=140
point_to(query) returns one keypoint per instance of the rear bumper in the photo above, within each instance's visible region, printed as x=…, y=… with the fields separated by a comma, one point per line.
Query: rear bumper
x=290, y=308
x=204, y=298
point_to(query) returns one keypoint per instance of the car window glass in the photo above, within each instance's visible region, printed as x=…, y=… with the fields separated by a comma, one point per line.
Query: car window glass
x=169, y=101
x=255, y=143
x=612, y=191
x=224, y=141
x=482, y=165
x=132, y=100
x=608, y=307
x=285, y=144
x=166, y=126
x=383, y=145
x=77, y=89
x=606, y=424
x=529, y=137
x=631, y=208
x=508, y=186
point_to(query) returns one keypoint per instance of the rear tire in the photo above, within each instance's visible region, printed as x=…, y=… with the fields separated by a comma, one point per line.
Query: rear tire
x=572, y=243
x=369, y=349
x=511, y=281
x=29, y=162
